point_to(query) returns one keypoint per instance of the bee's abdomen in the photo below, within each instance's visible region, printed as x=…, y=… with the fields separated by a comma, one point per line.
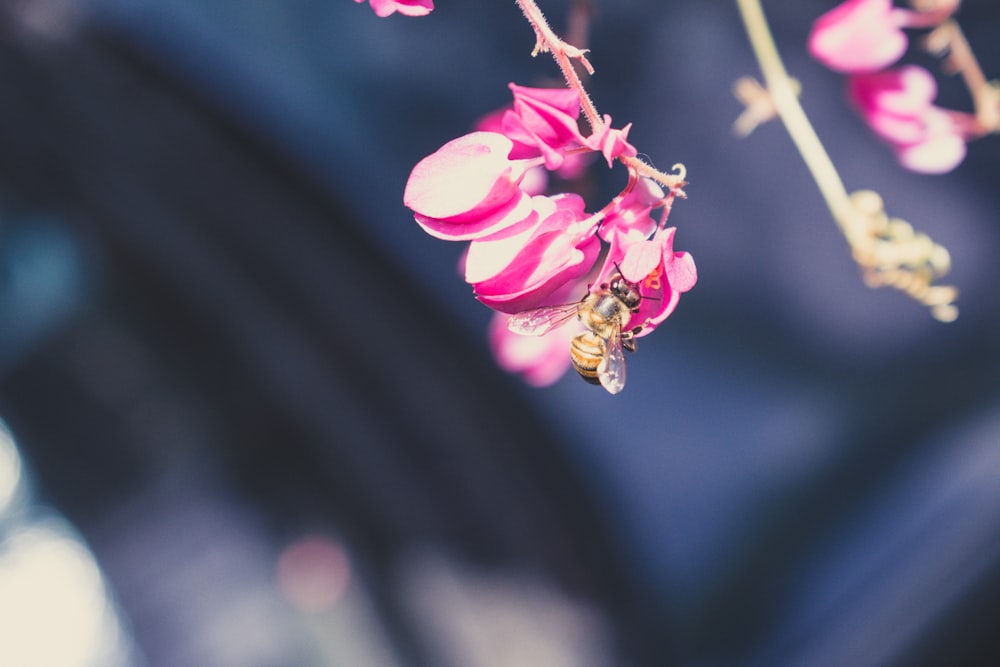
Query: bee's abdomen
x=585, y=352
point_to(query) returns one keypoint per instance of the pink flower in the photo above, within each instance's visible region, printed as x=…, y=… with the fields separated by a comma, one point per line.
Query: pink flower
x=859, y=36
x=540, y=360
x=661, y=274
x=629, y=219
x=385, y=8
x=898, y=105
x=519, y=268
x=610, y=142
x=941, y=150
x=543, y=123
x=536, y=179
x=467, y=188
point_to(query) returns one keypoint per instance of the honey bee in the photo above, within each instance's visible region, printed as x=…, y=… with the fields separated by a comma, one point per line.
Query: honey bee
x=597, y=354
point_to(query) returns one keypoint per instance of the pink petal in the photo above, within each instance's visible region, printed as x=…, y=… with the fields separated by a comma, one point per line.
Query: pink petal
x=898, y=105
x=540, y=360
x=630, y=216
x=542, y=123
x=681, y=272
x=560, y=249
x=859, y=36
x=661, y=286
x=385, y=8
x=465, y=179
x=514, y=214
x=488, y=257
x=612, y=143
x=640, y=260
x=942, y=149
x=901, y=93
x=933, y=157
x=468, y=188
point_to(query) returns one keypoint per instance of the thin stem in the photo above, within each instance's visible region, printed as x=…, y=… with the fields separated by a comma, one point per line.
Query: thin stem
x=949, y=36
x=887, y=249
x=563, y=54
x=581, y=15
x=674, y=181
x=782, y=91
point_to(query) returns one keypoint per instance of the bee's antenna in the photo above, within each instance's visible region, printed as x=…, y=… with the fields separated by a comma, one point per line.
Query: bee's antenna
x=622, y=275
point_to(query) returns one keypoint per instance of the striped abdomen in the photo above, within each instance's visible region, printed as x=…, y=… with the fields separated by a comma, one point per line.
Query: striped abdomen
x=586, y=352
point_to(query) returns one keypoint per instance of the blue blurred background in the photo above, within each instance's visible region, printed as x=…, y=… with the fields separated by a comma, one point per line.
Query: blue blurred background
x=252, y=418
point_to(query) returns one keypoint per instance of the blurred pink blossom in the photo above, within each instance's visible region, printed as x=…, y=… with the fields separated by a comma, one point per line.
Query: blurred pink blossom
x=540, y=360
x=898, y=105
x=859, y=36
x=385, y=8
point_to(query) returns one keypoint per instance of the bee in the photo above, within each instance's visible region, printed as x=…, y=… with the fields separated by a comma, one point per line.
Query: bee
x=597, y=354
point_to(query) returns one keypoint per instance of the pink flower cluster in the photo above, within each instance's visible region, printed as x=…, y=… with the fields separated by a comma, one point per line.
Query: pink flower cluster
x=862, y=38
x=385, y=8
x=527, y=249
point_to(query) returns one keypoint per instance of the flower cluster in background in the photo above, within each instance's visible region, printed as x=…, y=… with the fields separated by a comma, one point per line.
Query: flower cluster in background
x=865, y=38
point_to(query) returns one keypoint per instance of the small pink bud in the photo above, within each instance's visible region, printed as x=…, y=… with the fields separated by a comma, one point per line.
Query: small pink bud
x=543, y=123
x=540, y=360
x=610, y=142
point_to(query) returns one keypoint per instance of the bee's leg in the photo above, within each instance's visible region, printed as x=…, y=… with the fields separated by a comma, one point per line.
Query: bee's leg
x=628, y=339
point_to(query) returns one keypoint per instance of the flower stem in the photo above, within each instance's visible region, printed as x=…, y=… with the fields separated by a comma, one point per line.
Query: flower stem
x=985, y=96
x=786, y=103
x=888, y=250
x=563, y=53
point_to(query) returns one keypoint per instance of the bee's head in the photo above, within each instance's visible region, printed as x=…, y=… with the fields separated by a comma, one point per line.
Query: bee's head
x=627, y=292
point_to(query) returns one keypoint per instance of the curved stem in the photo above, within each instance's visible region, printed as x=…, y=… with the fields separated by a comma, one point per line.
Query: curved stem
x=876, y=240
x=949, y=37
x=674, y=182
x=782, y=91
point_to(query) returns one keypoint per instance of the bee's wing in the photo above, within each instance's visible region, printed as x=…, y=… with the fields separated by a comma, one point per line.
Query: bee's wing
x=542, y=320
x=611, y=370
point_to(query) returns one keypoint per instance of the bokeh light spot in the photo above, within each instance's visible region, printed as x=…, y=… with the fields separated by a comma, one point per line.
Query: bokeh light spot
x=313, y=573
x=10, y=468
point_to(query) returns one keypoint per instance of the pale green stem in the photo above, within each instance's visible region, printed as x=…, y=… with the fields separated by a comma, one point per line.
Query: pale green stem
x=782, y=90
